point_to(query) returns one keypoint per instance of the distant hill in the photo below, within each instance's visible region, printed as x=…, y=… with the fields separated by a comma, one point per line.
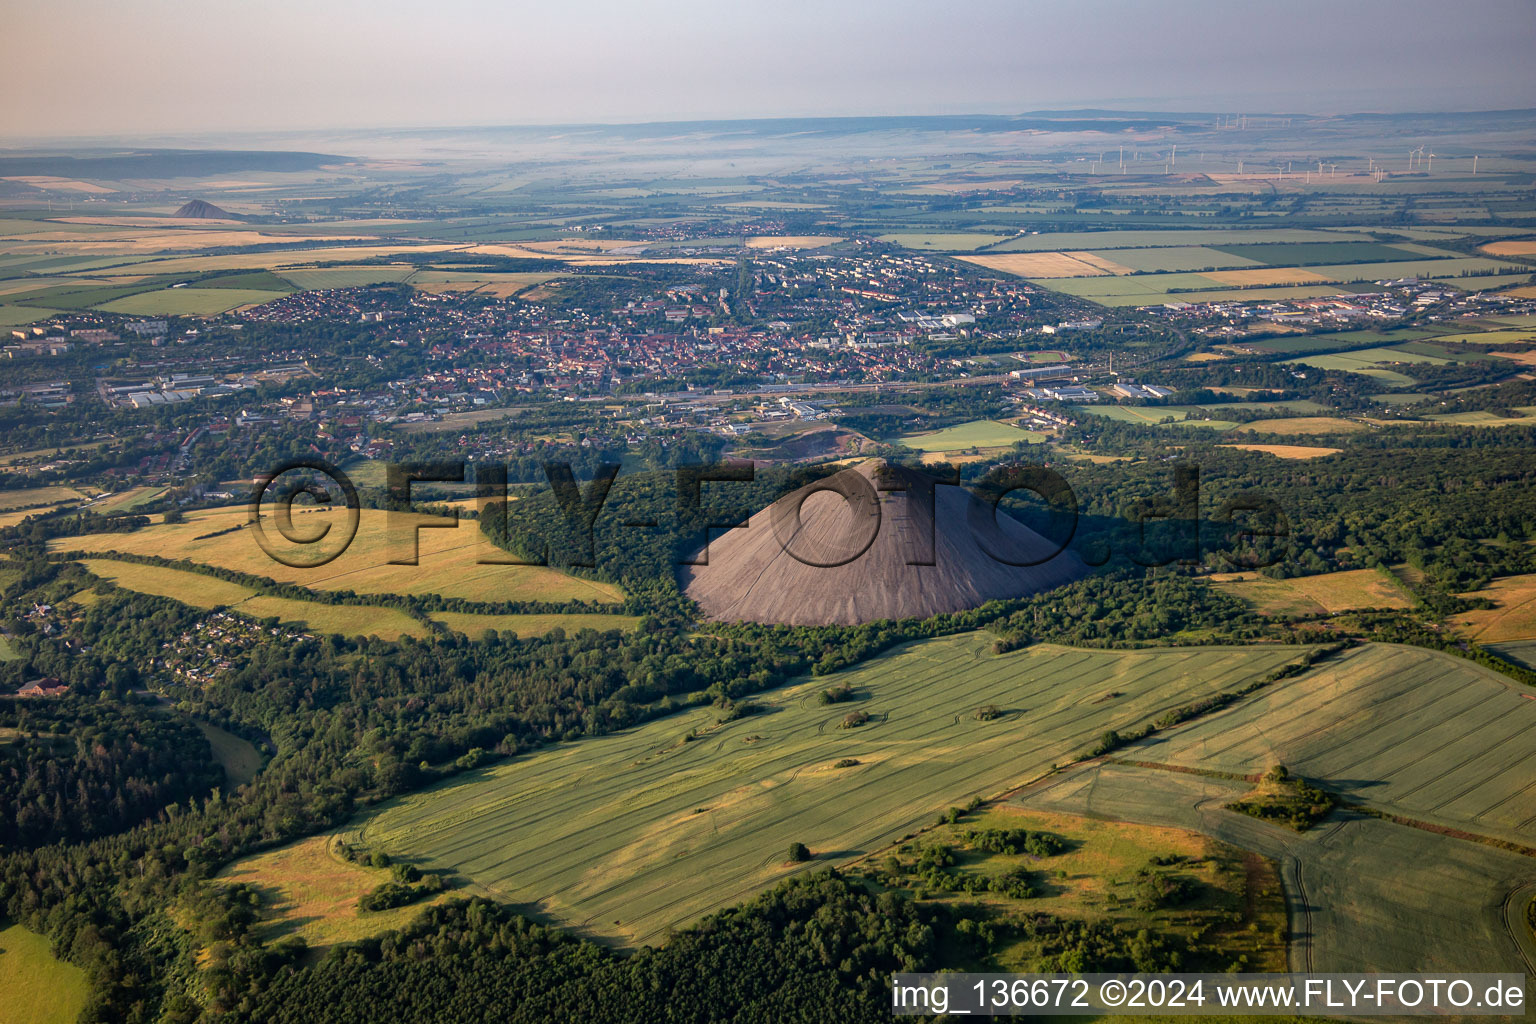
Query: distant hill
x=204, y=211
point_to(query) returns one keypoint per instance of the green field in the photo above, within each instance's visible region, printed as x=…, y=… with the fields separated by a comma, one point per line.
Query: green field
x=1485, y=418
x=202, y=591
x=17, y=316
x=1446, y=268
x=450, y=560
x=1307, y=253
x=1211, y=237
x=1376, y=362
x=35, y=988
x=348, y=277
x=628, y=835
x=1176, y=257
x=1154, y=289
x=188, y=301
x=1407, y=730
x=36, y=496
x=941, y=241
x=975, y=434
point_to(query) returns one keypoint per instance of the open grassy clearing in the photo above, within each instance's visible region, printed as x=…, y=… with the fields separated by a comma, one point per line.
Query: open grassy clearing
x=310, y=891
x=1287, y=451
x=1327, y=594
x=188, y=301
x=1406, y=730
x=975, y=434
x=718, y=803
x=35, y=987
x=1238, y=906
x=1204, y=415
x=239, y=759
x=201, y=591
x=1362, y=894
x=1512, y=618
x=475, y=626
x=449, y=559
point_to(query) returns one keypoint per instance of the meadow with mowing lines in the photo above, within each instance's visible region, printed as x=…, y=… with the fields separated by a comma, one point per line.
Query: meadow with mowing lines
x=202, y=591
x=1513, y=616
x=1362, y=893
x=188, y=301
x=1156, y=289
x=126, y=501
x=35, y=986
x=975, y=434
x=1413, y=732
x=475, y=626
x=311, y=891
x=1326, y=594
x=1205, y=415
x=449, y=559
x=1359, y=360
x=627, y=835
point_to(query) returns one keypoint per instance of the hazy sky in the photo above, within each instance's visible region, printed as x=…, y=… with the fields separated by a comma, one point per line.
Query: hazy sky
x=91, y=67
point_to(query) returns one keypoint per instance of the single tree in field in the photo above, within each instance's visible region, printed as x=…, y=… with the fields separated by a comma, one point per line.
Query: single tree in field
x=798, y=852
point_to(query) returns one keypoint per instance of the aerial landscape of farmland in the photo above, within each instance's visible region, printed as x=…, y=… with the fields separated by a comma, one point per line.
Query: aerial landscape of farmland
x=659, y=513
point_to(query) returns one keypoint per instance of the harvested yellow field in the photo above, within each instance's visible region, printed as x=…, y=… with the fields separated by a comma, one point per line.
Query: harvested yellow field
x=141, y=240
x=1512, y=618
x=1104, y=263
x=1046, y=264
x=1527, y=292
x=48, y=181
x=281, y=258
x=202, y=591
x=475, y=626
x=1265, y=276
x=34, y=496
x=1525, y=247
x=1327, y=594
x=1287, y=451
x=1205, y=357
x=450, y=559
x=1302, y=425
x=1529, y=358
x=500, y=285
x=790, y=241
x=312, y=892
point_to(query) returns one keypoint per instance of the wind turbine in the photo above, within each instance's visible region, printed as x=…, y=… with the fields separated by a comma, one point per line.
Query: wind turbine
x=1474, y=166
x=1431, y=168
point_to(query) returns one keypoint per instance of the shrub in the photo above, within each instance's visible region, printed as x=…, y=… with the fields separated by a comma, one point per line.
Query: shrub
x=799, y=853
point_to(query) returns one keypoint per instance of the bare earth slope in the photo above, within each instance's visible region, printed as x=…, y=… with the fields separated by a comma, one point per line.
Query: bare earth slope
x=799, y=561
